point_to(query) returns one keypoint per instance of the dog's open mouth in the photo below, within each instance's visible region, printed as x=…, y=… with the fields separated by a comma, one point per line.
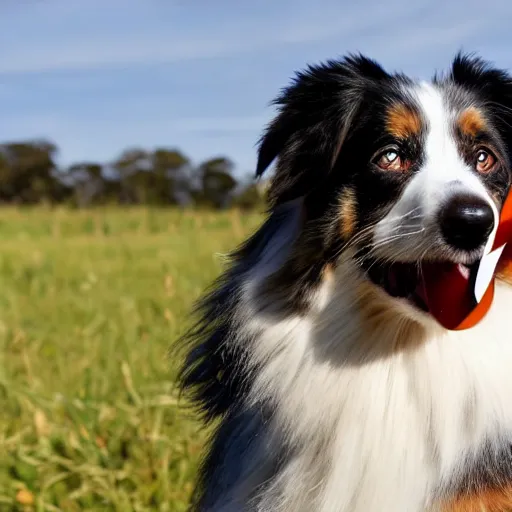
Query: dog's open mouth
x=409, y=281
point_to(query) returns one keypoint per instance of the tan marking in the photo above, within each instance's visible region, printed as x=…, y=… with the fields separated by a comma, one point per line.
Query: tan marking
x=377, y=312
x=328, y=272
x=487, y=500
x=504, y=270
x=505, y=275
x=402, y=121
x=471, y=122
x=348, y=213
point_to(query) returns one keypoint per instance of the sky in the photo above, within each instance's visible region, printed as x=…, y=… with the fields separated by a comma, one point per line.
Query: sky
x=100, y=76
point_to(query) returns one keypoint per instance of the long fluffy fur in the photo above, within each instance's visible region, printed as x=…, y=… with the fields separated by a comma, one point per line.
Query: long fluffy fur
x=329, y=396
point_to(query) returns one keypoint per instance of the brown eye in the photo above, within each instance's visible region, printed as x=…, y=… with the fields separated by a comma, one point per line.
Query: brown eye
x=391, y=161
x=485, y=161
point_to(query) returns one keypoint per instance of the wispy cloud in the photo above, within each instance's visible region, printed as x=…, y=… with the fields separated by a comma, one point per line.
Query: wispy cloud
x=112, y=53
x=98, y=76
x=80, y=36
x=29, y=125
x=97, y=36
x=219, y=124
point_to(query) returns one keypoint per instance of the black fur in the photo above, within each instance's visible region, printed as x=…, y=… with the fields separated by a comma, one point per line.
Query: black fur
x=320, y=107
x=330, y=122
x=215, y=376
x=472, y=80
x=315, y=115
x=490, y=468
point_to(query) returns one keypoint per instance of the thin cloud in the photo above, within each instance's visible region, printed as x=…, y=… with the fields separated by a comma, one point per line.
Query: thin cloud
x=75, y=44
x=211, y=106
x=112, y=53
x=219, y=124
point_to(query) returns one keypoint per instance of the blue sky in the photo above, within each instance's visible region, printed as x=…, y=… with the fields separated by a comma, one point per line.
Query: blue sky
x=97, y=76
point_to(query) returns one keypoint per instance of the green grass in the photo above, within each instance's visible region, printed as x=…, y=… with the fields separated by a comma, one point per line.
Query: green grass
x=90, y=304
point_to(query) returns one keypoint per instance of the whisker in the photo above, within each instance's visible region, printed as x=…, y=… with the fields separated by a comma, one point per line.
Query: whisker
x=366, y=231
x=384, y=242
x=392, y=238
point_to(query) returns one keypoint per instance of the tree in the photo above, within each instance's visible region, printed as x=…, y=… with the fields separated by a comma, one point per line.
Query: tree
x=88, y=182
x=217, y=182
x=158, y=177
x=129, y=168
x=173, y=176
x=28, y=173
x=250, y=197
x=165, y=176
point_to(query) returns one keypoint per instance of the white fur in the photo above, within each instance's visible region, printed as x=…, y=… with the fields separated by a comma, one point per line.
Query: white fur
x=378, y=409
x=377, y=405
x=412, y=221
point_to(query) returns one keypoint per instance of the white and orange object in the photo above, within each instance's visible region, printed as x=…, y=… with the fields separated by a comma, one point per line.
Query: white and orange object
x=459, y=298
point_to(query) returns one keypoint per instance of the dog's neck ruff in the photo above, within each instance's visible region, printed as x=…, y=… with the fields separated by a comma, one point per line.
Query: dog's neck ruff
x=379, y=411
x=317, y=349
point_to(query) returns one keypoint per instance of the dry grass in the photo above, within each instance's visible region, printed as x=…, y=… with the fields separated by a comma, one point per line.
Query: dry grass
x=90, y=303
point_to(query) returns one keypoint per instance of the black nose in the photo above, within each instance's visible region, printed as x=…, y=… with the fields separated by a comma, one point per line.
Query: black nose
x=466, y=222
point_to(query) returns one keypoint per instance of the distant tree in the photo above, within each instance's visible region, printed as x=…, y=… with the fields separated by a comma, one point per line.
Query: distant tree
x=159, y=177
x=172, y=176
x=7, y=190
x=164, y=176
x=28, y=173
x=217, y=182
x=250, y=197
x=88, y=183
x=130, y=166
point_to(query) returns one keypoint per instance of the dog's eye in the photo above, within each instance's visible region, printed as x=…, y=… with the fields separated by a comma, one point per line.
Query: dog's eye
x=485, y=161
x=391, y=160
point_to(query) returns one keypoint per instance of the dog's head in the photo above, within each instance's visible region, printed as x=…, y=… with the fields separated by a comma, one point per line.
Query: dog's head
x=398, y=174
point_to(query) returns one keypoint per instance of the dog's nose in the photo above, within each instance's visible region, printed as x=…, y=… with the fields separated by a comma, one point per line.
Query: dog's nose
x=466, y=221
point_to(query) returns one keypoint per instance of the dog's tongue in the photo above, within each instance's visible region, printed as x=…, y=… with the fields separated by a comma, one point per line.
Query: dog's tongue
x=458, y=297
x=447, y=292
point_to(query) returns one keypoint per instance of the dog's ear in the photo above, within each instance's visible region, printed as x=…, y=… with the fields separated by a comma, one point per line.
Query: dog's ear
x=315, y=116
x=490, y=83
x=470, y=71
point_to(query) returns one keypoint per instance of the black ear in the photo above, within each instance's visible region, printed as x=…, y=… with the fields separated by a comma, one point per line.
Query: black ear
x=492, y=84
x=315, y=114
x=468, y=70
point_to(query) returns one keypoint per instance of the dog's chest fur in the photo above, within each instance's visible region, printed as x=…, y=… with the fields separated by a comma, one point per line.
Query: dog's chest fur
x=375, y=412
x=333, y=393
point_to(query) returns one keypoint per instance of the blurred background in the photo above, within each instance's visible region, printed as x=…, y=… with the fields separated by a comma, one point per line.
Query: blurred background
x=128, y=134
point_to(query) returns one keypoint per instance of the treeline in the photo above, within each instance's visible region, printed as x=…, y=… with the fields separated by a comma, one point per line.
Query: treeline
x=29, y=175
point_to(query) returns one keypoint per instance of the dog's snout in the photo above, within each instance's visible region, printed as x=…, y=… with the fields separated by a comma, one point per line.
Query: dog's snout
x=466, y=221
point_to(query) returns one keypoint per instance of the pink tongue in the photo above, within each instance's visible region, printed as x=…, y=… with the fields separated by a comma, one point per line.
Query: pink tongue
x=447, y=293
x=456, y=296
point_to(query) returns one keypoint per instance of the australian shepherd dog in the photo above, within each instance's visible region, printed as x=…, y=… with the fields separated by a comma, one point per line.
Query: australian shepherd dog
x=331, y=386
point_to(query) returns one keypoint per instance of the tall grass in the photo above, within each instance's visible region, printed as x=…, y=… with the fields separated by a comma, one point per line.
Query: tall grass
x=90, y=302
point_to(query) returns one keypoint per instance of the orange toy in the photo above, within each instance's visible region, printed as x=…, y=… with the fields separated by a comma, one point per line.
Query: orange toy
x=458, y=297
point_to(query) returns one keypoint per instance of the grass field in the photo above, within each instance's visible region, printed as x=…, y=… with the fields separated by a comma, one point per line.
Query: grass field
x=90, y=303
